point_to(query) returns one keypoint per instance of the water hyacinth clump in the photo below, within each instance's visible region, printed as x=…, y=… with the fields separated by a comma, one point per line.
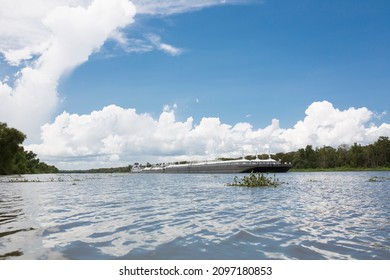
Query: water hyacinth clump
x=378, y=179
x=40, y=179
x=255, y=180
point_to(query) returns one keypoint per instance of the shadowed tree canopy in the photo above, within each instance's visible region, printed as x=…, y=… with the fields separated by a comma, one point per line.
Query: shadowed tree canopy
x=376, y=155
x=14, y=159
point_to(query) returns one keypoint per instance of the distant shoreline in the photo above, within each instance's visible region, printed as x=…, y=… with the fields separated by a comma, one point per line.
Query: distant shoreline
x=336, y=169
x=339, y=169
x=292, y=170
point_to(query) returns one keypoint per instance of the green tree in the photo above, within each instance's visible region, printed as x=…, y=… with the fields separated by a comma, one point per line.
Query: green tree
x=382, y=151
x=342, y=156
x=299, y=160
x=14, y=159
x=311, y=157
x=357, y=156
x=32, y=162
x=10, y=141
x=327, y=157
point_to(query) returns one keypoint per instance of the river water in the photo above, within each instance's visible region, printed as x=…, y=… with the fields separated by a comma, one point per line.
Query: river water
x=341, y=215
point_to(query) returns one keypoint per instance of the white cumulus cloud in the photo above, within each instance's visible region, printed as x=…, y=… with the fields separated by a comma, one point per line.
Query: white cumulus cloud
x=48, y=38
x=66, y=34
x=22, y=30
x=119, y=136
x=326, y=125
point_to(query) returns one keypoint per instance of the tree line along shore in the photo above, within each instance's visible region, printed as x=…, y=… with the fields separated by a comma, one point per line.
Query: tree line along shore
x=375, y=156
x=14, y=159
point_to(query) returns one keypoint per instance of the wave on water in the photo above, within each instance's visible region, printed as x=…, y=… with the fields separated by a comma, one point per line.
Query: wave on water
x=172, y=216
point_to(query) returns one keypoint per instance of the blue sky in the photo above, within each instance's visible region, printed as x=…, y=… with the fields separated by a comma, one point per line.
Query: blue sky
x=268, y=60
x=106, y=83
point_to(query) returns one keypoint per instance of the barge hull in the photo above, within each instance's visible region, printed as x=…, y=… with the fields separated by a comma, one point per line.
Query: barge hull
x=246, y=167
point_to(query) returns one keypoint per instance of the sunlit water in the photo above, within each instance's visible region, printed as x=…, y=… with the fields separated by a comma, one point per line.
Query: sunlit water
x=169, y=216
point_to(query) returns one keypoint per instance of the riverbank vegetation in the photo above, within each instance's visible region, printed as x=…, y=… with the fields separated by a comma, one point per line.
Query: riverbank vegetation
x=14, y=159
x=375, y=156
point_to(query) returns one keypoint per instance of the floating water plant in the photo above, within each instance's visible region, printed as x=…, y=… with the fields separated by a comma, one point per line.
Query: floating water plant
x=21, y=179
x=255, y=180
x=378, y=179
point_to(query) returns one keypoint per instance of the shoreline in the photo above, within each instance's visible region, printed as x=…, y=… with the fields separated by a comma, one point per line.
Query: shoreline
x=292, y=170
x=340, y=169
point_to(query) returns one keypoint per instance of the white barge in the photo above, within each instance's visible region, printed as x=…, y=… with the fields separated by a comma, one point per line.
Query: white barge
x=219, y=166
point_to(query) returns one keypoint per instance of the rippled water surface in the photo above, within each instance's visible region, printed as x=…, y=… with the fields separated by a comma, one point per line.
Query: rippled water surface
x=342, y=215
